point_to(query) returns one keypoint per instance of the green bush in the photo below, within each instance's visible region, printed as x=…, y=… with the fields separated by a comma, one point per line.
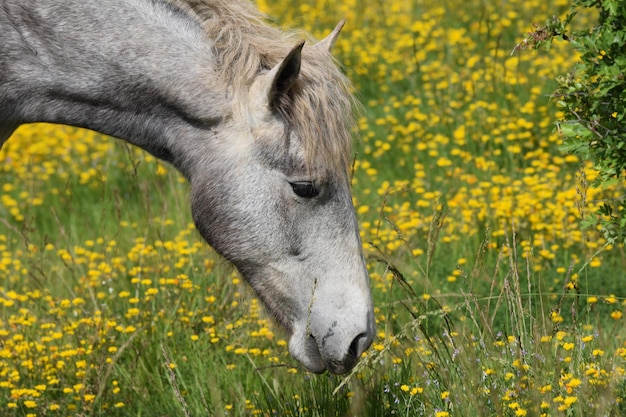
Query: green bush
x=593, y=98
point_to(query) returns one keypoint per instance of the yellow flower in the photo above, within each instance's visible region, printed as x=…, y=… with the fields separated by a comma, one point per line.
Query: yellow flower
x=597, y=352
x=574, y=382
x=152, y=291
x=595, y=263
x=30, y=404
x=568, y=401
x=555, y=317
x=545, y=388
x=444, y=162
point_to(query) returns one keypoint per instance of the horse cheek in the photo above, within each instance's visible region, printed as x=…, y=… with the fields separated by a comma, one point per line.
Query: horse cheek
x=233, y=221
x=210, y=223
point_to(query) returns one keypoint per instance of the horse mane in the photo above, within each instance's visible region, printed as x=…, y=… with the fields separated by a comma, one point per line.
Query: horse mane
x=319, y=107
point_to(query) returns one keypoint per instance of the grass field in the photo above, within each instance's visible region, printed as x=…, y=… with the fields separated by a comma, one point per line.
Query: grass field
x=490, y=298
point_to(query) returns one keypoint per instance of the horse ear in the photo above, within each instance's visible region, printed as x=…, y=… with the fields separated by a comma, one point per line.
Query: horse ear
x=283, y=75
x=328, y=42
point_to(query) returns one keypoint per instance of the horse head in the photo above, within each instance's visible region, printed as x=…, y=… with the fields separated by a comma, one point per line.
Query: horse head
x=276, y=202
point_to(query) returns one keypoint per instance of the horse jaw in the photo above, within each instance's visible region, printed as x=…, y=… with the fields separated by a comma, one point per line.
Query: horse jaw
x=303, y=348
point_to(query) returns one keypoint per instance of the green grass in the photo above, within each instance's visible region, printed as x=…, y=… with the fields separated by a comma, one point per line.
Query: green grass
x=490, y=300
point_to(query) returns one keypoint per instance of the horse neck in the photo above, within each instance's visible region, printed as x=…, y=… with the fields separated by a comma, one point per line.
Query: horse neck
x=138, y=70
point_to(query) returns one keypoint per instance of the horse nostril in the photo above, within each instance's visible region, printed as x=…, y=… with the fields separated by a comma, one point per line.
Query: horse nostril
x=359, y=345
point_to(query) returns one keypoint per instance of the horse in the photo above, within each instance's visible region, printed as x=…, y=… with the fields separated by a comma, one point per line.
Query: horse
x=259, y=121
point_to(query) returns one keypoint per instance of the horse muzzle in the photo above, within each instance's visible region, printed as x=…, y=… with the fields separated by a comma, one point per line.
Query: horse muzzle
x=335, y=346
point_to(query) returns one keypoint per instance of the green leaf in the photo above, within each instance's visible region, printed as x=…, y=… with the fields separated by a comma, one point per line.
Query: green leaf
x=574, y=129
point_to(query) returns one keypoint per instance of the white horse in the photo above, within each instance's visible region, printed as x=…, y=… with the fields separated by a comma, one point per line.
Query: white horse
x=259, y=123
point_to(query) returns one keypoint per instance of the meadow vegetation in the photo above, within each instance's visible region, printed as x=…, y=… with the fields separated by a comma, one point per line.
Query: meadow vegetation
x=490, y=297
x=591, y=95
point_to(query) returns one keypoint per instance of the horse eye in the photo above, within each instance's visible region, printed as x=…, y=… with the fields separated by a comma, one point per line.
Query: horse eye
x=304, y=189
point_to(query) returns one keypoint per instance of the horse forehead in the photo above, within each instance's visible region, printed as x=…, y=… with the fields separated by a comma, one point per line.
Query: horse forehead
x=296, y=150
x=281, y=149
x=278, y=145
x=307, y=129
